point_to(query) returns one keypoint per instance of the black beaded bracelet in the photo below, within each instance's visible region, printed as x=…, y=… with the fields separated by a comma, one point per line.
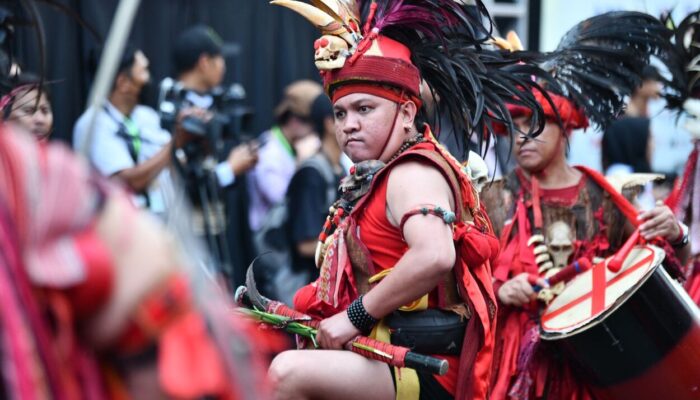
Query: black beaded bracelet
x=360, y=317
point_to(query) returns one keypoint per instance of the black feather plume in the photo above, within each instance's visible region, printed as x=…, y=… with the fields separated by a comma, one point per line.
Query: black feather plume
x=474, y=83
x=684, y=62
x=600, y=61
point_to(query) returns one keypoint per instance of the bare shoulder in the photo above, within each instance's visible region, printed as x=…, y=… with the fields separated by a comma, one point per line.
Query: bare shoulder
x=412, y=175
x=413, y=184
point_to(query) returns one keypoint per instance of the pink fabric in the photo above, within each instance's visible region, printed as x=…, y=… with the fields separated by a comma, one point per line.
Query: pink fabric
x=44, y=199
x=47, y=194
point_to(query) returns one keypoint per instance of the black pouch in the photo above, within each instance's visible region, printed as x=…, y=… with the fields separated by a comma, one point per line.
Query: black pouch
x=431, y=331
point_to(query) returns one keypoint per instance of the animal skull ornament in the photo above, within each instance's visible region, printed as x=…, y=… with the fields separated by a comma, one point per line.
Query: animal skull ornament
x=560, y=241
x=330, y=52
x=357, y=184
x=477, y=170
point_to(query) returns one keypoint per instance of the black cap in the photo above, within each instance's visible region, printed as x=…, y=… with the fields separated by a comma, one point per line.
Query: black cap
x=194, y=42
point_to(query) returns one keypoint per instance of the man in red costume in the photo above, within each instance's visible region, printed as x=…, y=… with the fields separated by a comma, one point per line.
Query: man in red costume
x=558, y=213
x=408, y=237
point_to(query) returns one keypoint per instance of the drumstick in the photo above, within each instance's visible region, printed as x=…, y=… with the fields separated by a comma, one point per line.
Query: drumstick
x=566, y=274
x=618, y=259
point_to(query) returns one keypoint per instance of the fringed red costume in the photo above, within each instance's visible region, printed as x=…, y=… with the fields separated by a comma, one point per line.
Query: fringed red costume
x=58, y=275
x=588, y=219
x=685, y=202
x=351, y=260
x=524, y=366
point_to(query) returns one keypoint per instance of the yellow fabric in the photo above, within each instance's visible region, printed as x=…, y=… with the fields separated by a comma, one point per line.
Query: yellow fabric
x=417, y=305
x=407, y=385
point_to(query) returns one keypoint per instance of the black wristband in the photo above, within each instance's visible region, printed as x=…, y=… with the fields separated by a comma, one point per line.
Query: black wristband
x=360, y=317
x=683, y=240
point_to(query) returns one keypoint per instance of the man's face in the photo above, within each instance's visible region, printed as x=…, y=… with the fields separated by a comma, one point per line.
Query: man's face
x=535, y=155
x=36, y=118
x=140, y=75
x=214, y=70
x=650, y=89
x=299, y=128
x=362, y=123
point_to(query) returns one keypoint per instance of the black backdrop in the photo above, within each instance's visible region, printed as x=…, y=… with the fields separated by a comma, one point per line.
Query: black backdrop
x=276, y=48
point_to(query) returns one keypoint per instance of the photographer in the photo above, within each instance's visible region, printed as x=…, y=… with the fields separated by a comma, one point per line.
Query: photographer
x=199, y=66
x=129, y=143
x=198, y=59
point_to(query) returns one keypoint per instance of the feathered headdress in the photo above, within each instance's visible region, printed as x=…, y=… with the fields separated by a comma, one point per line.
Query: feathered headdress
x=389, y=47
x=600, y=61
x=684, y=61
x=682, y=93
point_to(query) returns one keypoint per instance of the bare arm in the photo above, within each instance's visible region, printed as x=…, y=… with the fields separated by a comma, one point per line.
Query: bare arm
x=431, y=252
x=430, y=255
x=143, y=257
x=307, y=248
x=140, y=176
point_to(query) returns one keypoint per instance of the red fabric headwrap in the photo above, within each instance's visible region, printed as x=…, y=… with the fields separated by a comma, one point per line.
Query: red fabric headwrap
x=571, y=116
x=376, y=90
x=382, y=67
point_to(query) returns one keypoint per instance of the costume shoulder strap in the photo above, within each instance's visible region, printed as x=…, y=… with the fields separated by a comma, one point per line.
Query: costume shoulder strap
x=620, y=201
x=438, y=161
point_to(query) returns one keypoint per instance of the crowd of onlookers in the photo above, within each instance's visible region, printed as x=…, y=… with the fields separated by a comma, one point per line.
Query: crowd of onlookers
x=293, y=167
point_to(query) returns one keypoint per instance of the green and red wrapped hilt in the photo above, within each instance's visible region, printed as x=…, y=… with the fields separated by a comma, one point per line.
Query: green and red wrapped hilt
x=396, y=356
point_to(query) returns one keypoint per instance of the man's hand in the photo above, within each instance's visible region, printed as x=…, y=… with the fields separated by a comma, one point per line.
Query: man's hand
x=307, y=147
x=242, y=158
x=336, y=331
x=182, y=136
x=517, y=291
x=660, y=222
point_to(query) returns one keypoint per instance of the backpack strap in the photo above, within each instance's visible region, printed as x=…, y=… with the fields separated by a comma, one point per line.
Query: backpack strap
x=323, y=166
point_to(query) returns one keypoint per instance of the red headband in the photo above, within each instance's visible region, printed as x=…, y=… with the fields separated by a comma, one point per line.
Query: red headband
x=572, y=117
x=382, y=67
x=376, y=90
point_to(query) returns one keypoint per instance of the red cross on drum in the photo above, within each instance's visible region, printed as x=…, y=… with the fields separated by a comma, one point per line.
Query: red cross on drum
x=633, y=334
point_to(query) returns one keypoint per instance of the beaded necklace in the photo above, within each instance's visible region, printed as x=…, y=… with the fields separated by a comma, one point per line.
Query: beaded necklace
x=342, y=207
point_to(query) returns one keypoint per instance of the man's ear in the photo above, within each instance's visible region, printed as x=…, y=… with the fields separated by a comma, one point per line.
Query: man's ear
x=120, y=81
x=202, y=61
x=408, y=113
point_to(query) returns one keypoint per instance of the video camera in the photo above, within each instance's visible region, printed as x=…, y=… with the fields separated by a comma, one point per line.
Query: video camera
x=232, y=118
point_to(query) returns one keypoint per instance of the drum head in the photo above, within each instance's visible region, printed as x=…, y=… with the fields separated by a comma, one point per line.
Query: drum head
x=596, y=293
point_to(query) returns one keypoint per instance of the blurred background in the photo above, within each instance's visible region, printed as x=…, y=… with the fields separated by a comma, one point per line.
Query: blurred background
x=274, y=49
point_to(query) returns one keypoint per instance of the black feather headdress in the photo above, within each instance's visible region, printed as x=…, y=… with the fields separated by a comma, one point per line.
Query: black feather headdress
x=684, y=61
x=449, y=46
x=600, y=61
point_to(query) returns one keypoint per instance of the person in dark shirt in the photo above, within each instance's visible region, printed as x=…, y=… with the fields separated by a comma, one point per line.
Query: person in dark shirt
x=313, y=189
x=628, y=141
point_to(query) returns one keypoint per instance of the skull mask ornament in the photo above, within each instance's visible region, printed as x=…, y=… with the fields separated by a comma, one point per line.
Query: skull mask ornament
x=477, y=170
x=560, y=241
x=330, y=52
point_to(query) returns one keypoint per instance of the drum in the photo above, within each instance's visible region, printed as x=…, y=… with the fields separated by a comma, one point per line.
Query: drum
x=634, y=334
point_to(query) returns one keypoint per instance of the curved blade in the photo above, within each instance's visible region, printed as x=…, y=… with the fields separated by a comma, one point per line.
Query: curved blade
x=254, y=296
